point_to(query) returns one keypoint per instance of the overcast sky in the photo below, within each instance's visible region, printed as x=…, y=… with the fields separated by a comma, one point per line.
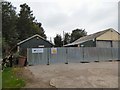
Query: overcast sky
x=57, y=16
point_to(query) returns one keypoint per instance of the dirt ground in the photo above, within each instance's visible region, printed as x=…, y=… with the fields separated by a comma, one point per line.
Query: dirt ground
x=73, y=75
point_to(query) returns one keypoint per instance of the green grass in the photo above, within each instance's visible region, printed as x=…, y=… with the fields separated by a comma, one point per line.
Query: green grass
x=10, y=80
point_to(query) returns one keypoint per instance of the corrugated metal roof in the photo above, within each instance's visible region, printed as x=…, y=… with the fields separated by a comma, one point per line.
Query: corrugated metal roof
x=89, y=37
x=36, y=35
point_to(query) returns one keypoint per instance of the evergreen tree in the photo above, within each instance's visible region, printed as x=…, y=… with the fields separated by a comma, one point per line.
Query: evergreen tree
x=67, y=38
x=25, y=22
x=17, y=27
x=26, y=25
x=9, y=31
x=77, y=33
x=58, y=41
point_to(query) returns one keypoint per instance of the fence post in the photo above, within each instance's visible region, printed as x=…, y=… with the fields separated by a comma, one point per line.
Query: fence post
x=48, y=60
x=83, y=51
x=97, y=49
x=66, y=56
x=111, y=53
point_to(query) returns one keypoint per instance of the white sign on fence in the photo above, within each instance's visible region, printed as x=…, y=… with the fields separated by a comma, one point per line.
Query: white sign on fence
x=37, y=50
x=53, y=50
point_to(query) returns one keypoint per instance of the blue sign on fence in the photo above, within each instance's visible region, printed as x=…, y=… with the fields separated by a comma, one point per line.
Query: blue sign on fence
x=37, y=50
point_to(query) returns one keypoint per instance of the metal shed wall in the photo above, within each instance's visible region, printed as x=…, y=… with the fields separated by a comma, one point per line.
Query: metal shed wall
x=103, y=44
x=33, y=43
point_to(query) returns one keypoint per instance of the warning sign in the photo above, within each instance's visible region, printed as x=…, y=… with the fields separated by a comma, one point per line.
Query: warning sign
x=53, y=50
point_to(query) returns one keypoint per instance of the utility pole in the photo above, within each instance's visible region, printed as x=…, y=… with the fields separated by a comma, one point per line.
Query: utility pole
x=63, y=38
x=50, y=39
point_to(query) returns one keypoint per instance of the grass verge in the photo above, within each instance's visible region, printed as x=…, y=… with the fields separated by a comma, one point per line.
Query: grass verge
x=11, y=80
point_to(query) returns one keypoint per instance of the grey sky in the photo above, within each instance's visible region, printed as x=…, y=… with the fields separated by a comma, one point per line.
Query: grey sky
x=57, y=16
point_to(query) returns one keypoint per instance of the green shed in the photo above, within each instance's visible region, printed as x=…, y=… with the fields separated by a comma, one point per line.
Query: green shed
x=35, y=41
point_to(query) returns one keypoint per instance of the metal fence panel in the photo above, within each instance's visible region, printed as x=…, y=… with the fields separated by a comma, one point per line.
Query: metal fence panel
x=104, y=54
x=73, y=55
x=115, y=53
x=59, y=57
x=37, y=58
x=90, y=54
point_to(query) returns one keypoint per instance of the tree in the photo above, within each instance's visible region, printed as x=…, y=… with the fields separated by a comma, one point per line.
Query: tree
x=9, y=31
x=25, y=22
x=18, y=27
x=58, y=41
x=27, y=26
x=77, y=33
x=40, y=30
x=67, y=38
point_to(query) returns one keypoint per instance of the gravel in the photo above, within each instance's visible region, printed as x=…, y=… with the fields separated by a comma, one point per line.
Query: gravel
x=76, y=75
